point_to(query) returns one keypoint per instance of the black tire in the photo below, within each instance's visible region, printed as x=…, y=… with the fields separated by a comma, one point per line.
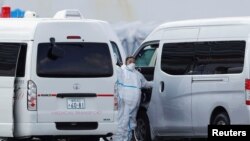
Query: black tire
x=142, y=131
x=221, y=119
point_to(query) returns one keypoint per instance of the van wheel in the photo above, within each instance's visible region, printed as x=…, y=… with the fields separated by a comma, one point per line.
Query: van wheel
x=221, y=119
x=142, y=131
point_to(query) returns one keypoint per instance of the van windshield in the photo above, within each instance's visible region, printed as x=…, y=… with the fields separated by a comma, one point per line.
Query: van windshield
x=78, y=60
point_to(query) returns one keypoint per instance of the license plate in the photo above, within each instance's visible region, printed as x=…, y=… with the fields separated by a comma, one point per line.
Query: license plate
x=75, y=103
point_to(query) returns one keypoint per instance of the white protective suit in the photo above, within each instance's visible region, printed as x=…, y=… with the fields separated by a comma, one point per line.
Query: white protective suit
x=129, y=95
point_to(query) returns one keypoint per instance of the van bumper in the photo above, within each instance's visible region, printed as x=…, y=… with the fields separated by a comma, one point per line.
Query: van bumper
x=49, y=129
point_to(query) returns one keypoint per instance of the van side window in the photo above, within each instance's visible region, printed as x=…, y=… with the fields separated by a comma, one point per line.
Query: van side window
x=227, y=57
x=21, y=61
x=215, y=57
x=116, y=51
x=146, y=57
x=201, y=58
x=8, y=58
x=177, y=58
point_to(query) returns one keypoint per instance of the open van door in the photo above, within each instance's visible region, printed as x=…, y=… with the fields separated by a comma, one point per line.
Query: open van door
x=145, y=59
x=9, y=53
x=172, y=93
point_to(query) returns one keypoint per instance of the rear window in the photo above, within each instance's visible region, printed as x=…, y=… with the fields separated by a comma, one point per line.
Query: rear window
x=79, y=60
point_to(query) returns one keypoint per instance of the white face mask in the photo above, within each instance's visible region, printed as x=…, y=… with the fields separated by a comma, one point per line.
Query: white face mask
x=131, y=66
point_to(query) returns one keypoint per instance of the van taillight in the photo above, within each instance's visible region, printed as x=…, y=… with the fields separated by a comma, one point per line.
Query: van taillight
x=247, y=88
x=32, y=96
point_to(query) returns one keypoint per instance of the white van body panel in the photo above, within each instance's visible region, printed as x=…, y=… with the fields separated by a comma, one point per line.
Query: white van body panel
x=21, y=29
x=181, y=34
x=34, y=129
x=222, y=88
x=22, y=114
x=6, y=106
x=206, y=92
x=218, y=32
x=155, y=35
x=50, y=108
x=176, y=118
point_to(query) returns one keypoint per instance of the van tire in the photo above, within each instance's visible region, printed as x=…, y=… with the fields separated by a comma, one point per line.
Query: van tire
x=221, y=119
x=142, y=130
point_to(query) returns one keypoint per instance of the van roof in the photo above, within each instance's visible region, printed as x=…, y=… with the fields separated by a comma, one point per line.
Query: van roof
x=24, y=28
x=157, y=32
x=207, y=22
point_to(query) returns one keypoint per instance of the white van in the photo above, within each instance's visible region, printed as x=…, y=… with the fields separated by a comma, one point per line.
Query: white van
x=57, y=77
x=201, y=73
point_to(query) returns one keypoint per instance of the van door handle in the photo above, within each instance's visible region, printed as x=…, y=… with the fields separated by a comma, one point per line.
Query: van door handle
x=162, y=86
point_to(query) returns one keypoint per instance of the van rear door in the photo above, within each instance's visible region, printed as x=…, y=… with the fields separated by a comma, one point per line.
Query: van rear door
x=9, y=53
x=75, y=90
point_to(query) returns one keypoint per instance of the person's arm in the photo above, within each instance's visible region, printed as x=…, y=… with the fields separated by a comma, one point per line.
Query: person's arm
x=144, y=82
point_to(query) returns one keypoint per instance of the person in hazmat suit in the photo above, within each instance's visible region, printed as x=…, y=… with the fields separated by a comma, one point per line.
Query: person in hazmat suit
x=130, y=82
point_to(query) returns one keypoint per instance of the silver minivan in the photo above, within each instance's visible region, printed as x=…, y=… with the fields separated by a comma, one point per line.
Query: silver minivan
x=201, y=76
